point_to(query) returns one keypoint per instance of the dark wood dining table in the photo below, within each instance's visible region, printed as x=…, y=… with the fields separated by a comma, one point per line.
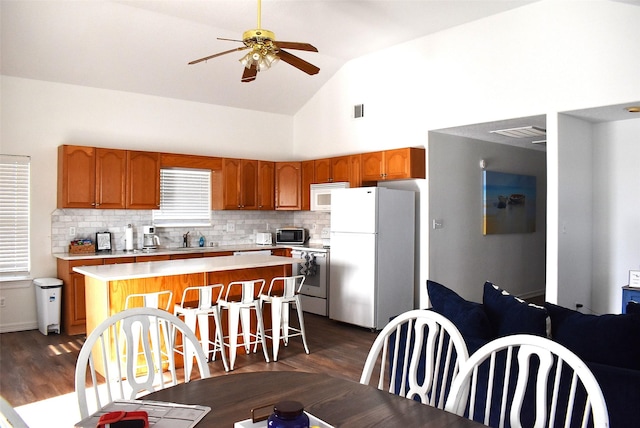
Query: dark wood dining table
x=339, y=402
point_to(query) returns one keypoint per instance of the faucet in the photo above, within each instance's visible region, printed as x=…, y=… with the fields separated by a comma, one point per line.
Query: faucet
x=185, y=240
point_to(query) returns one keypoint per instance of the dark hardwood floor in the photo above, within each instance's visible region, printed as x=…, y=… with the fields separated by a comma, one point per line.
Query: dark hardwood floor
x=35, y=367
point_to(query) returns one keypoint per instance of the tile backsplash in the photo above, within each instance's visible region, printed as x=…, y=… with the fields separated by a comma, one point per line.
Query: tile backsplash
x=244, y=224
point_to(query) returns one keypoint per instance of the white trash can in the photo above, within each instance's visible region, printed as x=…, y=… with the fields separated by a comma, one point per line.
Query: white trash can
x=48, y=302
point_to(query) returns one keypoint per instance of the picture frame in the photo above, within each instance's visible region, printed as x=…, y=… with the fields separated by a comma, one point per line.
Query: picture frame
x=103, y=241
x=509, y=203
x=634, y=278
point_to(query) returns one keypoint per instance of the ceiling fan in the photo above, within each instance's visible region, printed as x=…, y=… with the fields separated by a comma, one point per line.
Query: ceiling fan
x=265, y=50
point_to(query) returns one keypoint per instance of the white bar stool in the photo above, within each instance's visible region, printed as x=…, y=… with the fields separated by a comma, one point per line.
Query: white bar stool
x=160, y=300
x=240, y=310
x=197, y=305
x=280, y=328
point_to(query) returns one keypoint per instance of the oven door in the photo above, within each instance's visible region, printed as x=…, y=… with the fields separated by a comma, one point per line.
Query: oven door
x=314, y=268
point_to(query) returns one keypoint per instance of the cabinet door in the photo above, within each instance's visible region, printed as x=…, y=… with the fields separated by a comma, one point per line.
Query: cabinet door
x=78, y=309
x=266, y=185
x=404, y=163
x=372, y=166
x=111, y=170
x=249, y=184
x=76, y=177
x=231, y=186
x=143, y=180
x=308, y=177
x=340, y=169
x=323, y=170
x=288, y=183
x=355, y=171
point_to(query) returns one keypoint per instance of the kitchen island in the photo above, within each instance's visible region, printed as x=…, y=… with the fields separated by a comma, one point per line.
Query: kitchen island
x=107, y=286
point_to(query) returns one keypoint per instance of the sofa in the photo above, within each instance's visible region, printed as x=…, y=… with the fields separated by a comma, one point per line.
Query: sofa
x=608, y=344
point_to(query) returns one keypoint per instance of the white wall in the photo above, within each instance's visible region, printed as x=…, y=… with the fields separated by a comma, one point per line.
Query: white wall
x=544, y=58
x=461, y=257
x=575, y=220
x=616, y=211
x=39, y=116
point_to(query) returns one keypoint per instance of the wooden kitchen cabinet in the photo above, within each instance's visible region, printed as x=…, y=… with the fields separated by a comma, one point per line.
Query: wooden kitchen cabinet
x=90, y=177
x=239, y=185
x=307, y=169
x=266, y=185
x=74, y=314
x=76, y=177
x=110, y=173
x=143, y=180
x=119, y=260
x=153, y=258
x=288, y=186
x=394, y=164
x=336, y=169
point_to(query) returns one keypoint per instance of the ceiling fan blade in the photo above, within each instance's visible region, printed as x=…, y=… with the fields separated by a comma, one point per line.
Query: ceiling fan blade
x=296, y=45
x=229, y=40
x=298, y=63
x=249, y=74
x=218, y=54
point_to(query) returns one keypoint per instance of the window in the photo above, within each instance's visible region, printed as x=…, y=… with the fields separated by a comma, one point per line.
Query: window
x=14, y=217
x=185, y=198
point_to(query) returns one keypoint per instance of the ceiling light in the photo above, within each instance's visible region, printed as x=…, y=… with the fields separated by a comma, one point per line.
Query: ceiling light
x=633, y=109
x=521, y=132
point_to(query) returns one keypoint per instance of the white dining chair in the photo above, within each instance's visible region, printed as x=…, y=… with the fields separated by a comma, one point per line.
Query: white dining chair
x=422, y=350
x=280, y=303
x=9, y=418
x=108, y=365
x=527, y=381
x=197, y=306
x=240, y=301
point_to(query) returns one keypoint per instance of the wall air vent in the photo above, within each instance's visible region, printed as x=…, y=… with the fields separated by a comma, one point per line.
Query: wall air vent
x=522, y=132
x=358, y=111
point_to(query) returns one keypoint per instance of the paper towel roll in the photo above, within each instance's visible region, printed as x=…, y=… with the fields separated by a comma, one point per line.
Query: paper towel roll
x=128, y=238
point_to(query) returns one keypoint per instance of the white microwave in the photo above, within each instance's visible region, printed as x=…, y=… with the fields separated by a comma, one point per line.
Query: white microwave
x=321, y=195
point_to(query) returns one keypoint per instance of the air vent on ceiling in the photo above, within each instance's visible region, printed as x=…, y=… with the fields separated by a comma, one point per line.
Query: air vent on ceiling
x=521, y=132
x=358, y=111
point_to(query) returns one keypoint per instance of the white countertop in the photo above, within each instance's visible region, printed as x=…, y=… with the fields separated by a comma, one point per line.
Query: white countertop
x=170, y=251
x=122, y=271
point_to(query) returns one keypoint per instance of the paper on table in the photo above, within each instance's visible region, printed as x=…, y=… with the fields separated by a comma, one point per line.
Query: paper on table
x=161, y=414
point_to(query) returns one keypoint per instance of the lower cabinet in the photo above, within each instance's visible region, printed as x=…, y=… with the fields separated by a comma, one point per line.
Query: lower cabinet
x=74, y=315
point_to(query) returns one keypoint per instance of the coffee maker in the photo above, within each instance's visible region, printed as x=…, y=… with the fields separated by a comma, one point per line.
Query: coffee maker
x=149, y=241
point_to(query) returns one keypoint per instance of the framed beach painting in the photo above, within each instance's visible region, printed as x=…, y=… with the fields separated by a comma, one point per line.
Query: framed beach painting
x=509, y=202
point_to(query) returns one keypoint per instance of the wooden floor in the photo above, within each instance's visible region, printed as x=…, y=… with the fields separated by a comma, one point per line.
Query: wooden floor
x=35, y=367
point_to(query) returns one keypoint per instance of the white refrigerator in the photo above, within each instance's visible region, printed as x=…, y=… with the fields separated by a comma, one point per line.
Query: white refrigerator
x=371, y=274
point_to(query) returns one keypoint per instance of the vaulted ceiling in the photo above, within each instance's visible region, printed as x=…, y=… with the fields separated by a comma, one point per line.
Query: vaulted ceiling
x=144, y=46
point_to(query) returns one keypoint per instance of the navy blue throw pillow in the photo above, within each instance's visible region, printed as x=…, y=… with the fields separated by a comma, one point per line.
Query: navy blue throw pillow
x=604, y=339
x=511, y=315
x=468, y=317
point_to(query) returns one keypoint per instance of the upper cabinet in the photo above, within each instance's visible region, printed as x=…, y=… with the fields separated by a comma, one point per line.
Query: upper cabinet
x=143, y=180
x=394, y=164
x=239, y=185
x=336, y=169
x=76, y=177
x=90, y=177
x=288, y=186
x=266, y=185
x=308, y=176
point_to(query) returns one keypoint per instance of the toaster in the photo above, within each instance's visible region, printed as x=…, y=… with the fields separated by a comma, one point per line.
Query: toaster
x=264, y=238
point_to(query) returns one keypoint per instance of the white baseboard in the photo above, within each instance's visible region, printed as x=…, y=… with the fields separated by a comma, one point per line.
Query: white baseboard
x=10, y=328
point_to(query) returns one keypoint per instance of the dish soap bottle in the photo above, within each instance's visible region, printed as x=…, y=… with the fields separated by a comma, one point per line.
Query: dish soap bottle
x=288, y=414
x=201, y=243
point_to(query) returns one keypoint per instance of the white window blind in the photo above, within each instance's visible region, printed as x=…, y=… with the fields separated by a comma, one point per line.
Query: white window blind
x=185, y=198
x=14, y=216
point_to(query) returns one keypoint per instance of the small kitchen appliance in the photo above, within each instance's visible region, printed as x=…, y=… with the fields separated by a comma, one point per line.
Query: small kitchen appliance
x=264, y=238
x=149, y=241
x=291, y=235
